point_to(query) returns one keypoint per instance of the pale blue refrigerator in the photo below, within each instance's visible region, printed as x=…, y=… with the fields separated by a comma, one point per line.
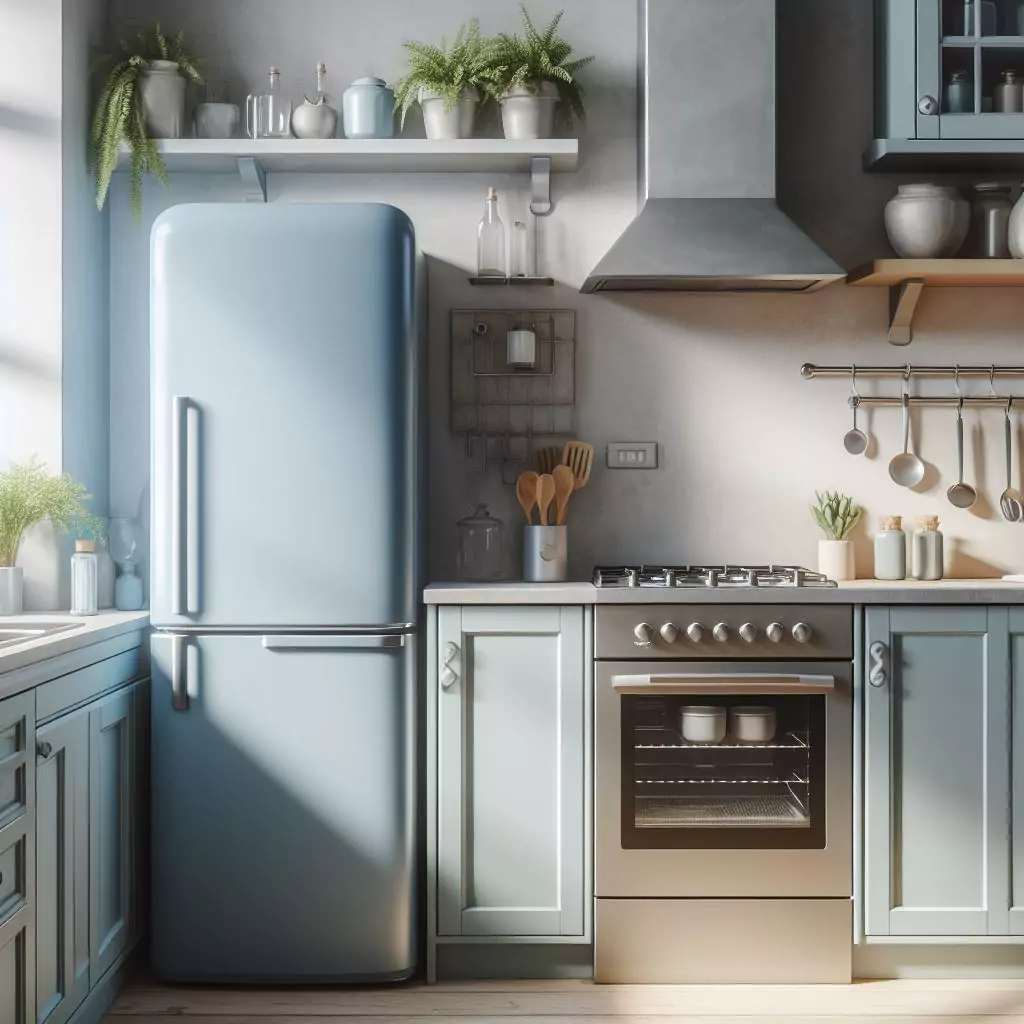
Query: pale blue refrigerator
x=287, y=425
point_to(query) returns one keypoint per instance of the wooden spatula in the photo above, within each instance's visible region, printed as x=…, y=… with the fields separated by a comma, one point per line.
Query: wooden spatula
x=548, y=458
x=579, y=457
x=565, y=484
x=545, y=495
x=526, y=493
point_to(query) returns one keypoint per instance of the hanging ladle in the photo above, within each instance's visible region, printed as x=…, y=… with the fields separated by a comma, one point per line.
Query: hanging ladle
x=1010, y=500
x=855, y=441
x=906, y=469
x=961, y=495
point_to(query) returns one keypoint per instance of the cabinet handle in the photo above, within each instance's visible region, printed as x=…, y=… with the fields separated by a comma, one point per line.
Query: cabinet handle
x=928, y=105
x=44, y=749
x=449, y=677
x=878, y=674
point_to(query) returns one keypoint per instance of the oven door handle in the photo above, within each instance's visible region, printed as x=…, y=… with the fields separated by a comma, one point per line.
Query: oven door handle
x=723, y=683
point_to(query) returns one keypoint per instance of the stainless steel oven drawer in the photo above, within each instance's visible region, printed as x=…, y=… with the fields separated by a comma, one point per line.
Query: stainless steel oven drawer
x=723, y=942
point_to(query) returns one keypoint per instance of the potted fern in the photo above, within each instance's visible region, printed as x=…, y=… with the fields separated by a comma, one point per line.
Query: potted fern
x=446, y=81
x=533, y=73
x=143, y=98
x=29, y=494
x=837, y=516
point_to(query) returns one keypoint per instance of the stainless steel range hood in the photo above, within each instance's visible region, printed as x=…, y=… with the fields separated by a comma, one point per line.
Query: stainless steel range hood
x=709, y=220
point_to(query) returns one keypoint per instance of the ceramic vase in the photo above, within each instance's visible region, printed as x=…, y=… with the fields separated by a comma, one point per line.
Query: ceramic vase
x=216, y=120
x=368, y=107
x=12, y=589
x=314, y=121
x=162, y=90
x=529, y=115
x=456, y=123
x=922, y=221
x=835, y=559
x=1015, y=234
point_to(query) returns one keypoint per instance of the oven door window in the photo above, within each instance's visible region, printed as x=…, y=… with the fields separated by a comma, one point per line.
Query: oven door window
x=762, y=785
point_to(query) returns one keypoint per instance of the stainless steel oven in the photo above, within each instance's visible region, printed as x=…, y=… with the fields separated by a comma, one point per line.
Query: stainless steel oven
x=747, y=842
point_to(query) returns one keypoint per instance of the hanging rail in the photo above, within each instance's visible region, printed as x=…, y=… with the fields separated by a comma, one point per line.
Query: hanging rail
x=907, y=371
x=999, y=401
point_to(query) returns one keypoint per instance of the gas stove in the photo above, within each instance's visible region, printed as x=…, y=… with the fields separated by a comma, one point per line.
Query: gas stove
x=711, y=576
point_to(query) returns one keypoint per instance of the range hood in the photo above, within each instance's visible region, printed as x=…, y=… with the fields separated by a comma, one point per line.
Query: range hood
x=709, y=220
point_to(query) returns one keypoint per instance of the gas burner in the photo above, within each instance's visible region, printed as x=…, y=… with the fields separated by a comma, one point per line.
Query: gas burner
x=712, y=576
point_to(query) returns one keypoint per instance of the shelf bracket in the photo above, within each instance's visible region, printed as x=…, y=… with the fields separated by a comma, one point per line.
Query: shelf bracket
x=540, y=186
x=903, y=299
x=254, y=178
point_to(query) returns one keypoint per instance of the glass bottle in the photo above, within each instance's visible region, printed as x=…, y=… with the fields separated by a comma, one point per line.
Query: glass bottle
x=490, y=240
x=988, y=18
x=269, y=115
x=927, y=549
x=520, y=251
x=890, y=549
x=960, y=93
x=84, y=579
x=126, y=551
x=481, y=546
x=1008, y=96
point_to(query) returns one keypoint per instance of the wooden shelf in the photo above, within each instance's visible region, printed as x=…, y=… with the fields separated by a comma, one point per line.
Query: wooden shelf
x=906, y=279
x=334, y=156
x=514, y=282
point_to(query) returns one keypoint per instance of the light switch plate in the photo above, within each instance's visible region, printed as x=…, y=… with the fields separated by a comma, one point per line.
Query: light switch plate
x=632, y=455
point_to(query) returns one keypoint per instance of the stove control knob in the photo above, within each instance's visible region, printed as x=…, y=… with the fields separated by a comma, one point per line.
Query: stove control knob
x=644, y=635
x=748, y=632
x=670, y=632
x=695, y=631
x=801, y=632
x=775, y=632
x=721, y=632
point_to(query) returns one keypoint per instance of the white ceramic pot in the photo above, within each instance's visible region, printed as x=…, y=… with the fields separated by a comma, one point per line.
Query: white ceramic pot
x=752, y=723
x=162, y=90
x=12, y=589
x=921, y=221
x=216, y=120
x=456, y=123
x=314, y=121
x=835, y=559
x=529, y=115
x=702, y=723
x=1015, y=236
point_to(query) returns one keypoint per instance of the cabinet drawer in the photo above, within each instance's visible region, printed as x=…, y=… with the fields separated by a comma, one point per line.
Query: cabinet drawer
x=13, y=864
x=16, y=729
x=77, y=688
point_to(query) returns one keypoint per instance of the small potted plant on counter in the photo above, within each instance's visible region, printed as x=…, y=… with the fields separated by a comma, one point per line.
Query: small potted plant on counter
x=143, y=98
x=28, y=495
x=837, y=516
x=534, y=74
x=447, y=82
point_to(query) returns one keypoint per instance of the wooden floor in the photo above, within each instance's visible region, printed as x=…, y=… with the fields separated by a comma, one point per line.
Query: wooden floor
x=907, y=1002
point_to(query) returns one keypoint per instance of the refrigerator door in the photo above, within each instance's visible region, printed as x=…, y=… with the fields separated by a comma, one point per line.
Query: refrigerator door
x=283, y=834
x=285, y=417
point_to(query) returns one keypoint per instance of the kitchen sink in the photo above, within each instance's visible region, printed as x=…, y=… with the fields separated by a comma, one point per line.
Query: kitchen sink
x=23, y=632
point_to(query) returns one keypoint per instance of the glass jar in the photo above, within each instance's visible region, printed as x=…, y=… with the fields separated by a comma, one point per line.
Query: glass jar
x=890, y=549
x=1008, y=95
x=960, y=93
x=927, y=549
x=268, y=115
x=84, y=579
x=990, y=222
x=481, y=546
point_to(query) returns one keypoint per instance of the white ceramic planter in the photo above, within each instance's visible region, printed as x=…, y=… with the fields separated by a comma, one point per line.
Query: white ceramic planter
x=922, y=221
x=162, y=90
x=1015, y=236
x=529, y=115
x=216, y=120
x=457, y=123
x=835, y=559
x=12, y=589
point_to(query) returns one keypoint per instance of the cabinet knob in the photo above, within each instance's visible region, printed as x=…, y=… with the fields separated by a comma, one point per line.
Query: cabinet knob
x=928, y=105
x=878, y=674
x=449, y=677
x=44, y=749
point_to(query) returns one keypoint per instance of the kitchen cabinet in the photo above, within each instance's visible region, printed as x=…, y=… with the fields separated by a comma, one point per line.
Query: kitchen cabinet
x=936, y=771
x=1016, y=741
x=919, y=45
x=510, y=735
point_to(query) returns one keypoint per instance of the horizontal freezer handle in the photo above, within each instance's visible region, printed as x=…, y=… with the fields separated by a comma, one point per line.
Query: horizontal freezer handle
x=723, y=683
x=314, y=642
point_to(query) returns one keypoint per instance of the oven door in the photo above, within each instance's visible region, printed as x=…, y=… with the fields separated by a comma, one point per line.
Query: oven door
x=730, y=818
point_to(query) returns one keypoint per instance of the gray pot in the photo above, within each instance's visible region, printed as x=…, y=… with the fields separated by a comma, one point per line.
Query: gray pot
x=456, y=123
x=162, y=90
x=12, y=589
x=215, y=120
x=922, y=221
x=529, y=115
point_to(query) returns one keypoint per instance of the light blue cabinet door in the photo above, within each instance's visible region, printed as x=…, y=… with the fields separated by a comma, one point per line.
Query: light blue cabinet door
x=62, y=866
x=936, y=781
x=1016, y=746
x=511, y=782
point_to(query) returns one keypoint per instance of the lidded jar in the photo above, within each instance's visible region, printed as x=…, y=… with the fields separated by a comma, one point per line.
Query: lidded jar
x=481, y=546
x=927, y=549
x=890, y=549
x=84, y=579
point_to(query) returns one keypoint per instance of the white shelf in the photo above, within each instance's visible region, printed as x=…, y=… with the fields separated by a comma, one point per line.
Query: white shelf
x=334, y=156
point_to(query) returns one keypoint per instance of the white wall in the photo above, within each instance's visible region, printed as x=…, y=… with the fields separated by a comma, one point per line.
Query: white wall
x=715, y=379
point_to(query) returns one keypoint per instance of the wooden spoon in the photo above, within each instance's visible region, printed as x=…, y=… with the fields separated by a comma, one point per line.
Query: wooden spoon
x=579, y=457
x=565, y=484
x=548, y=458
x=545, y=495
x=526, y=493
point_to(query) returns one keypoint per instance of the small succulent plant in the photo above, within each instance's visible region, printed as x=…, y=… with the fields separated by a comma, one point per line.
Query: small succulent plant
x=836, y=514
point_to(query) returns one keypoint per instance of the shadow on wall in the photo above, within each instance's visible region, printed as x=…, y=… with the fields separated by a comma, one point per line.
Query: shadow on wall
x=26, y=122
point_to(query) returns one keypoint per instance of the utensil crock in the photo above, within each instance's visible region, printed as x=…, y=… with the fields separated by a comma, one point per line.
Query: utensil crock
x=545, y=554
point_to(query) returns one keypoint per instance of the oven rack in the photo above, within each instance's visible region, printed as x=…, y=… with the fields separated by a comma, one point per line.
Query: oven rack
x=705, y=812
x=798, y=741
x=794, y=780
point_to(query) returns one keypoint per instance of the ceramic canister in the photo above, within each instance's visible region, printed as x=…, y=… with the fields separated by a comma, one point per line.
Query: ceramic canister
x=368, y=108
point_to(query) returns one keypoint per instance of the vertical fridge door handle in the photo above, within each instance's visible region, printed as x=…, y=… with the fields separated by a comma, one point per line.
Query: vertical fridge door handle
x=185, y=514
x=179, y=673
x=192, y=459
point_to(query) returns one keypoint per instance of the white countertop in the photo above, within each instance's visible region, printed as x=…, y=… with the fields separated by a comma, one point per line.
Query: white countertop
x=92, y=629
x=985, y=591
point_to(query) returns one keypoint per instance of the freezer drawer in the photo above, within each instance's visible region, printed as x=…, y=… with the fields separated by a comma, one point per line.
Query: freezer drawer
x=284, y=808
